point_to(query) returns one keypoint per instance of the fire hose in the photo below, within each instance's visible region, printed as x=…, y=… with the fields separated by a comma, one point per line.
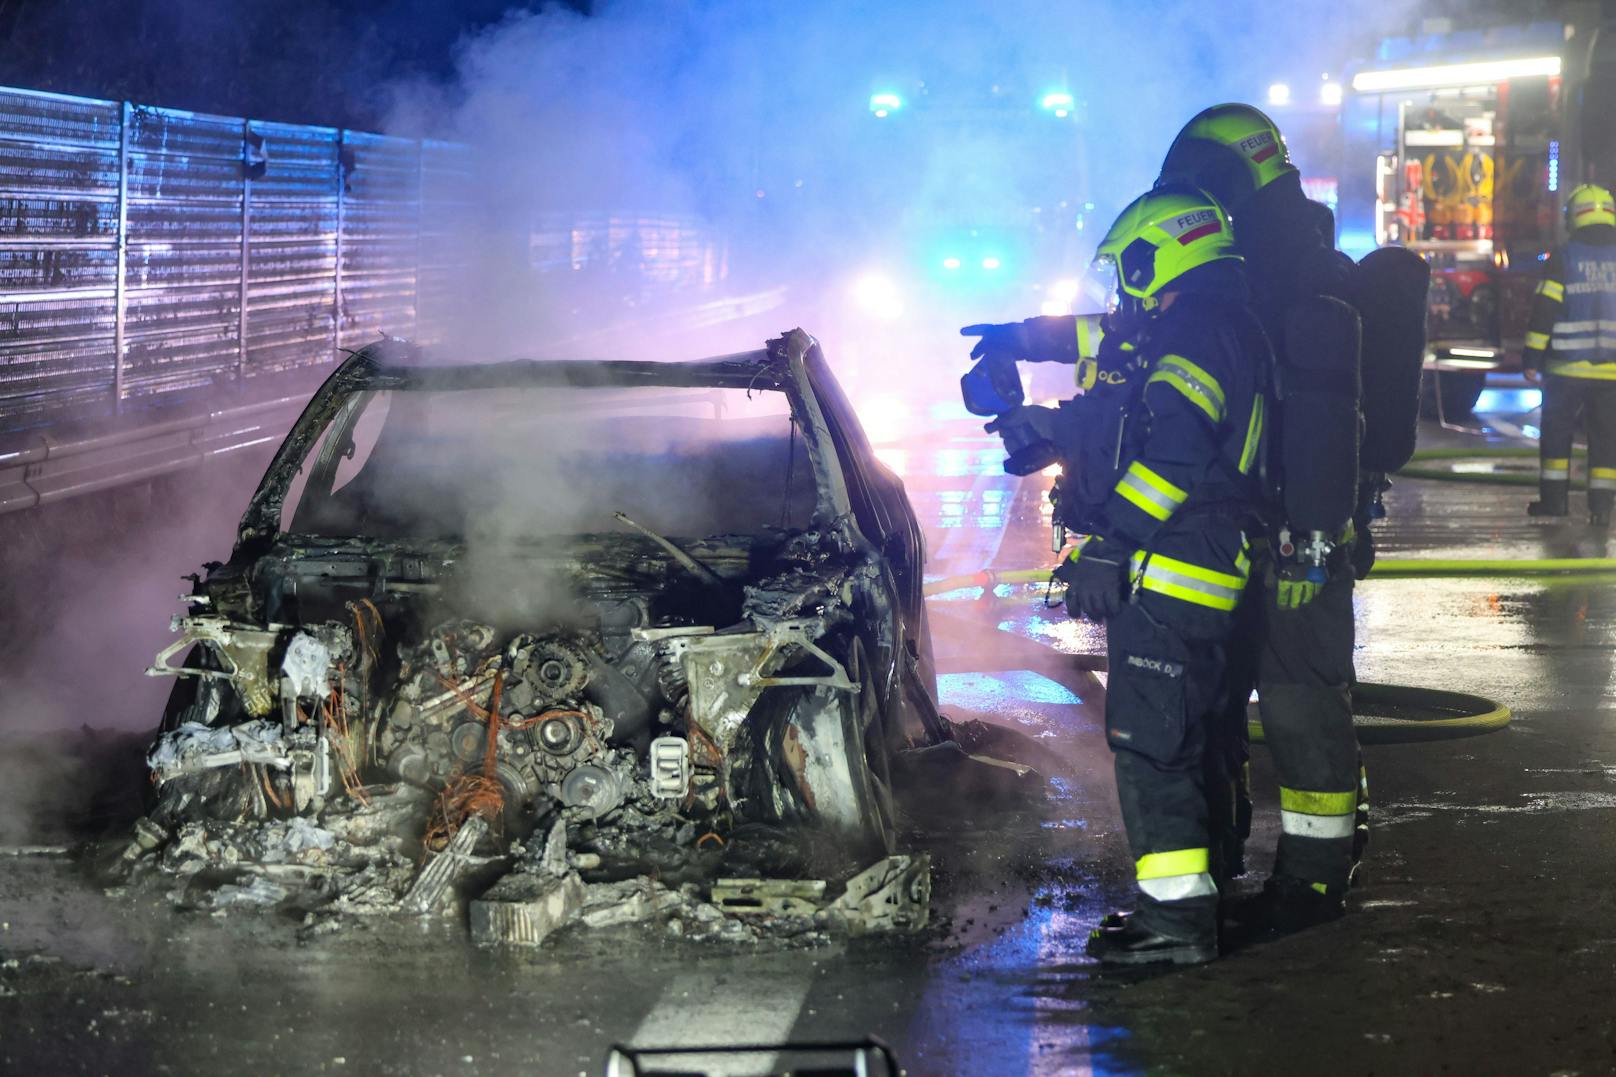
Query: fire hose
x=1386, y=713
x=1490, y=477
x=1382, y=713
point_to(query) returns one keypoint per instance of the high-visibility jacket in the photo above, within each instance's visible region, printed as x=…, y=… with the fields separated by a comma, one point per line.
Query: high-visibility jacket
x=1572, y=329
x=1186, y=494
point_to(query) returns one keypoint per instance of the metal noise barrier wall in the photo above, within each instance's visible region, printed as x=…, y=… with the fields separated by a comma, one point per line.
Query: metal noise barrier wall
x=147, y=253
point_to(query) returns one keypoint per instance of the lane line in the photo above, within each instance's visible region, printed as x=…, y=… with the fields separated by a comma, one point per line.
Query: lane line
x=706, y=1008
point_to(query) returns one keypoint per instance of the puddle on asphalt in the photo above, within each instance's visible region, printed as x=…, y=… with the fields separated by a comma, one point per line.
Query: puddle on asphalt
x=1534, y=803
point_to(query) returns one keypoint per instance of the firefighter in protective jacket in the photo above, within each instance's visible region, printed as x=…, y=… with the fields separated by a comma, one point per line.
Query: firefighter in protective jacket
x=1296, y=627
x=1571, y=344
x=1167, y=511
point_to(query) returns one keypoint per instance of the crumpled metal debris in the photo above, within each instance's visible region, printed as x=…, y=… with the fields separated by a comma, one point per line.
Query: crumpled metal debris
x=893, y=895
x=193, y=747
x=357, y=857
x=630, y=901
x=259, y=891
x=525, y=908
x=772, y=897
x=447, y=868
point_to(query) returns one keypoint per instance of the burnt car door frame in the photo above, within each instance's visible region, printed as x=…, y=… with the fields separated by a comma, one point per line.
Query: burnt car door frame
x=881, y=512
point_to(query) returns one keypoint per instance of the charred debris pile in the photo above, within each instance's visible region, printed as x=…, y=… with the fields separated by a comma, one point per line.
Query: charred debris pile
x=627, y=764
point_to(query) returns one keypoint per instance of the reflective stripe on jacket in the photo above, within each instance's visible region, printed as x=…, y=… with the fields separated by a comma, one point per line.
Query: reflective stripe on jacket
x=1583, y=341
x=1186, y=488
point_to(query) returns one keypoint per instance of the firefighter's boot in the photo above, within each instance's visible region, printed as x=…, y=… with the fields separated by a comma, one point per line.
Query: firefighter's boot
x=1553, y=499
x=1360, y=829
x=1286, y=906
x=1599, y=505
x=1121, y=939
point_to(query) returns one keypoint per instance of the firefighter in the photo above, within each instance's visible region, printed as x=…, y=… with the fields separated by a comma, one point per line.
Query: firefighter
x=1296, y=625
x=1163, y=486
x=1571, y=346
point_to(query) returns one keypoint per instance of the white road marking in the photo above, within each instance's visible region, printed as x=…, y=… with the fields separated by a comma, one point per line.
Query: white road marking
x=709, y=1009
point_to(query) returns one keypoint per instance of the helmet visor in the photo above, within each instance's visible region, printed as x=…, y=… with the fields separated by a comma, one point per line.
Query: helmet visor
x=1100, y=286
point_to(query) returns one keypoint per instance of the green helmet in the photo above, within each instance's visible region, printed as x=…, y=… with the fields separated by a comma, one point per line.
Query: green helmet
x=1161, y=236
x=1230, y=151
x=1587, y=204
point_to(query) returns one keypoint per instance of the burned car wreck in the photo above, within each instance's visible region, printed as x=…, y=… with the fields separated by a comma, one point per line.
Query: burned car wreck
x=598, y=640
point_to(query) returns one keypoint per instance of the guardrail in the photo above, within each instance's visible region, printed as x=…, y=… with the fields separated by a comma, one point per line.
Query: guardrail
x=46, y=466
x=149, y=253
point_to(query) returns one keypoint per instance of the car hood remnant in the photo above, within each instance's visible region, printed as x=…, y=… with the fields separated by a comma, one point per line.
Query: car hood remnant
x=421, y=676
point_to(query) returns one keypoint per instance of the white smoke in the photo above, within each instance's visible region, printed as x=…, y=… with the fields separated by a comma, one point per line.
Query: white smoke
x=699, y=108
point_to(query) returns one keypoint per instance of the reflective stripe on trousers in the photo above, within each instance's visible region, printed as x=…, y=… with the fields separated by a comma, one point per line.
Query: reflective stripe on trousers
x=1307, y=814
x=1189, y=582
x=1177, y=875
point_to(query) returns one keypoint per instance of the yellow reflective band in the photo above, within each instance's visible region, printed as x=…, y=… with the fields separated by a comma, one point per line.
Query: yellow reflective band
x=1086, y=373
x=1311, y=803
x=1552, y=289
x=1201, y=388
x=1189, y=583
x=1089, y=335
x=1582, y=368
x=1177, y=862
x=1254, y=429
x=1602, y=478
x=1149, y=492
x=1602, y=472
x=1537, y=341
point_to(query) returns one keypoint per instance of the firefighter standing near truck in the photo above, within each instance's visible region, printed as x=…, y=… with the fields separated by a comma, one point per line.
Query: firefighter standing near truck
x=1571, y=346
x=1160, y=463
x=1296, y=625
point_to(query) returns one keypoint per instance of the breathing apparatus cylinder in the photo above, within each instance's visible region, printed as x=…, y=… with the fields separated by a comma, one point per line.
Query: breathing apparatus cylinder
x=1391, y=285
x=1318, y=425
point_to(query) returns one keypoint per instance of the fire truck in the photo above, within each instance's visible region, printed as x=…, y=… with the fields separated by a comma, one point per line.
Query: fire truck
x=1459, y=145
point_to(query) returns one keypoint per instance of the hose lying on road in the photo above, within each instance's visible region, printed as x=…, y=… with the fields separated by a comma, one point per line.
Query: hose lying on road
x=1403, y=714
x=1382, y=713
x=1494, y=452
x=1385, y=568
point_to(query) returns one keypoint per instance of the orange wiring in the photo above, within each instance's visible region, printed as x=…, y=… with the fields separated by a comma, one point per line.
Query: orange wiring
x=559, y=712
x=337, y=718
x=465, y=795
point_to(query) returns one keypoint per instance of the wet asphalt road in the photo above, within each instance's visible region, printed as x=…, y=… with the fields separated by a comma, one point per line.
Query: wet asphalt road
x=1483, y=941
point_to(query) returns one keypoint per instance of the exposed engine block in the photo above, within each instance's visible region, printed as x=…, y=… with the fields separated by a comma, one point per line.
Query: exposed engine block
x=553, y=738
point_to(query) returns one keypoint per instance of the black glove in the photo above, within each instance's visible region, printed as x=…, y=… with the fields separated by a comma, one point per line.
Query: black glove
x=1096, y=580
x=1029, y=438
x=1049, y=338
x=1008, y=340
x=1363, y=553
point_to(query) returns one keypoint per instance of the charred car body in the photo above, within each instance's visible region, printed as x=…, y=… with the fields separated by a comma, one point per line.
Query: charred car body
x=561, y=590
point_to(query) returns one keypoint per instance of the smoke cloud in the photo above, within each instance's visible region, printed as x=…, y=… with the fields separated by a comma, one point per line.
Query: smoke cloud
x=753, y=121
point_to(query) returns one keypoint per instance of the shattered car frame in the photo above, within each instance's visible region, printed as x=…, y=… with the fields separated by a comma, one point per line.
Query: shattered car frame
x=708, y=681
